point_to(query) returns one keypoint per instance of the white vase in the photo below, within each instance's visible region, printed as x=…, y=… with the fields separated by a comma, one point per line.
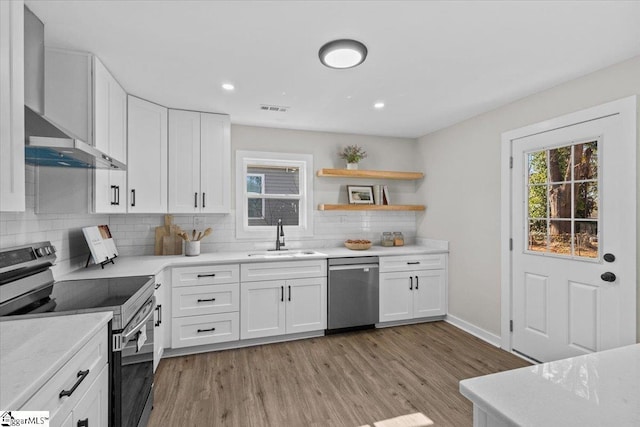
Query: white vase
x=352, y=166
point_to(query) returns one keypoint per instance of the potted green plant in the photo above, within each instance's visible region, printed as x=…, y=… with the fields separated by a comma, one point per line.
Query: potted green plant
x=352, y=154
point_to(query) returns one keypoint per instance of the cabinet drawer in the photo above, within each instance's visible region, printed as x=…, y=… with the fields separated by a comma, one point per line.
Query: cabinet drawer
x=205, y=275
x=205, y=299
x=93, y=357
x=283, y=270
x=412, y=262
x=208, y=329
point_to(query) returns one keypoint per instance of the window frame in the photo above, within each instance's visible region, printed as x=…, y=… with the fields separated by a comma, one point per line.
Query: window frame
x=304, y=163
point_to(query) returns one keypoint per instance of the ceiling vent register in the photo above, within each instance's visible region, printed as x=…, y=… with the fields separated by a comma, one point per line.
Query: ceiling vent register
x=275, y=108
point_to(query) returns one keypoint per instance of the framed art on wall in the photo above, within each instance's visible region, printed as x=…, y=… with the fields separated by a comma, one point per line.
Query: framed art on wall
x=360, y=195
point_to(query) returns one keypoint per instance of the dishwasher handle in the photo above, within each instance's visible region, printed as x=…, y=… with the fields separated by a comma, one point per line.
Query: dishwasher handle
x=352, y=267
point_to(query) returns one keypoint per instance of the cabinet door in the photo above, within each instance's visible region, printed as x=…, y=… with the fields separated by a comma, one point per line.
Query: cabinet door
x=147, y=159
x=396, y=296
x=159, y=319
x=93, y=409
x=262, y=309
x=429, y=293
x=12, y=188
x=109, y=191
x=306, y=305
x=184, y=161
x=215, y=163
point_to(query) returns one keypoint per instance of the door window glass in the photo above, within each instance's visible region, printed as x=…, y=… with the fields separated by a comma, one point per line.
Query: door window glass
x=562, y=194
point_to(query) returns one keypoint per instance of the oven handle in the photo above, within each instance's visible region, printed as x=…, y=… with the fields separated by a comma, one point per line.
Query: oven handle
x=120, y=340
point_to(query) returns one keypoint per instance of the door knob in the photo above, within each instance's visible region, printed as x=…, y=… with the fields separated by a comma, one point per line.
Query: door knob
x=609, y=257
x=608, y=277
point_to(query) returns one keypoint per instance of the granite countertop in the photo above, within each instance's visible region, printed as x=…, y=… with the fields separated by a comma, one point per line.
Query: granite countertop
x=599, y=389
x=152, y=265
x=33, y=350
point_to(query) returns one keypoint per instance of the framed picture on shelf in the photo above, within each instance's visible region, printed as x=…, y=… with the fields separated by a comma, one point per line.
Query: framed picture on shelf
x=360, y=195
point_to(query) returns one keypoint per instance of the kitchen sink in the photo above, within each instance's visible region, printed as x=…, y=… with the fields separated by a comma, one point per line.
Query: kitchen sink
x=285, y=254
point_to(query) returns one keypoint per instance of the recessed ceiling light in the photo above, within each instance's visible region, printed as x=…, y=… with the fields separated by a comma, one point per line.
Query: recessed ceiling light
x=342, y=53
x=228, y=86
x=378, y=105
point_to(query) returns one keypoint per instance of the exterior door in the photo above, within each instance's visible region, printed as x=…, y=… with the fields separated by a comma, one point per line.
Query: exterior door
x=574, y=239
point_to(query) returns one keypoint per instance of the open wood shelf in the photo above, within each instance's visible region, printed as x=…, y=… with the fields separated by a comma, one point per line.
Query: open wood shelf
x=328, y=207
x=370, y=174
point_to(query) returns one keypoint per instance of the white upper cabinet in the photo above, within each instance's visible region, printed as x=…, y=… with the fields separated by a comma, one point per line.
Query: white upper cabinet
x=199, y=162
x=147, y=157
x=12, y=194
x=84, y=98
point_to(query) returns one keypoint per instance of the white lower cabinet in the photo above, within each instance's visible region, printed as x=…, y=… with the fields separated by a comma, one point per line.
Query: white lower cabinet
x=205, y=305
x=159, y=324
x=284, y=306
x=206, y=329
x=93, y=409
x=78, y=394
x=413, y=287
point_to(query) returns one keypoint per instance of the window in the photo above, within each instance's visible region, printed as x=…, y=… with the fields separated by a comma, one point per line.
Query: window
x=272, y=187
x=562, y=211
x=255, y=187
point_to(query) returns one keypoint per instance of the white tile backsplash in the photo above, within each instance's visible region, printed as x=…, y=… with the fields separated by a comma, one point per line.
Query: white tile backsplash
x=64, y=231
x=135, y=233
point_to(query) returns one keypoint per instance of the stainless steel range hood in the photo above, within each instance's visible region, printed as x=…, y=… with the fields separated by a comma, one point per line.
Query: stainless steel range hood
x=46, y=143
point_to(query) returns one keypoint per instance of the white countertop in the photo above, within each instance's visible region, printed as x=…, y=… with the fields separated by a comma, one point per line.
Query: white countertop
x=599, y=389
x=33, y=350
x=152, y=265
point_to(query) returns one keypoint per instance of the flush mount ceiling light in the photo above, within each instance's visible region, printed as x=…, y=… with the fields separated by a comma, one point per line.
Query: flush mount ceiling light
x=342, y=53
x=228, y=86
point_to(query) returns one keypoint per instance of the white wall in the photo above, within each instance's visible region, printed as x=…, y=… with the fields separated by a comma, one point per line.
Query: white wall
x=462, y=185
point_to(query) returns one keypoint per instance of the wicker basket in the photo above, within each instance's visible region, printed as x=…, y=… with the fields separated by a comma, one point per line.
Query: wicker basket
x=359, y=245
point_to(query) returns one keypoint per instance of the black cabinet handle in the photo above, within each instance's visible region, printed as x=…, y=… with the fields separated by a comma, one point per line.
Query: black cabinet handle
x=206, y=330
x=83, y=423
x=113, y=195
x=195, y=200
x=416, y=283
x=281, y=293
x=159, y=310
x=158, y=285
x=289, y=293
x=413, y=263
x=118, y=195
x=207, y=275
x=133, y=197
x=410, y=283
x=203, y=205
x=81, y=376
x=206, y=299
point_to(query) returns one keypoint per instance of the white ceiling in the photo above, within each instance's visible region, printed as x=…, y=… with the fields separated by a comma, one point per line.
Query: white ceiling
x=432, y=63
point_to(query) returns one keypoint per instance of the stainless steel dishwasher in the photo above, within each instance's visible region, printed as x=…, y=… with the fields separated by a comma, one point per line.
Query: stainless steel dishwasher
x=353, y=293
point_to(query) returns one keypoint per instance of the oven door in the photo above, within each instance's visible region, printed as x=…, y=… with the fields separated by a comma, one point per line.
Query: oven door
x=132, y=369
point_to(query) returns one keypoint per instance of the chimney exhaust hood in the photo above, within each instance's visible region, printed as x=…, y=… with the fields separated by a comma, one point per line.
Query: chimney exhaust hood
x=46, y=143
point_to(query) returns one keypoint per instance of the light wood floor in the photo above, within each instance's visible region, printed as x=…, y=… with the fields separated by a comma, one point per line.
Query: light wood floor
x=338, y=380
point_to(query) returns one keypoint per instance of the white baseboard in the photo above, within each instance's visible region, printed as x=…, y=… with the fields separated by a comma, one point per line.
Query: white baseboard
x=474, y=330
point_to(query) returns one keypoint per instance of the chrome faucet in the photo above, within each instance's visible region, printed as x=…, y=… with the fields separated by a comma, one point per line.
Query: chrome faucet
x=279, y=235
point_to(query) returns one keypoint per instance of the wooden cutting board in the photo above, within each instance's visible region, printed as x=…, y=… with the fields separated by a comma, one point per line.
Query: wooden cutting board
x=167, y=240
